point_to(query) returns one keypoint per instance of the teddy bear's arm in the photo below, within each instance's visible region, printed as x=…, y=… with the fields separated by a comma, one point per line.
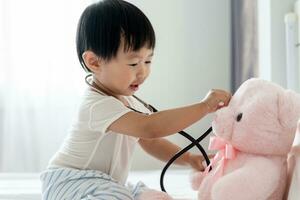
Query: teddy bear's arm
x=196, y=180
x=257, y=179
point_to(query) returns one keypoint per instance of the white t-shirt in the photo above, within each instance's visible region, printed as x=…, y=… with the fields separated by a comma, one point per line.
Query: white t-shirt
x=90, y=145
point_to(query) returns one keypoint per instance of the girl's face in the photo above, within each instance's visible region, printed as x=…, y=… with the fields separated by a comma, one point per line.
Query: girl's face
x=124, y=74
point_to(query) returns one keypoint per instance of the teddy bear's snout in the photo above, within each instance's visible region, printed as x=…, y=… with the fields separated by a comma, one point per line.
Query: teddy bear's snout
x=222, y=123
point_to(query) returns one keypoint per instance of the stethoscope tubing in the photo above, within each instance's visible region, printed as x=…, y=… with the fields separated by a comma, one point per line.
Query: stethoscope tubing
x=194, y=142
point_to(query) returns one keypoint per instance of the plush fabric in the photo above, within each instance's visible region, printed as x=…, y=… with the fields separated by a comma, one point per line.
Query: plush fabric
x=293, y=181
x=253, y=136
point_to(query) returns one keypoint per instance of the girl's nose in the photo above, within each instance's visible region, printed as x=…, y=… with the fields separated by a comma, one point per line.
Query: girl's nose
x=142, y=71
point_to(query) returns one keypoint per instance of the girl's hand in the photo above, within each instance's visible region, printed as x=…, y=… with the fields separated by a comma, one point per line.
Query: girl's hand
x=216, y=99
x=196, y=161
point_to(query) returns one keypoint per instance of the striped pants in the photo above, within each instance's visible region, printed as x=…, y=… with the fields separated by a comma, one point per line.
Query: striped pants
x=72, y=184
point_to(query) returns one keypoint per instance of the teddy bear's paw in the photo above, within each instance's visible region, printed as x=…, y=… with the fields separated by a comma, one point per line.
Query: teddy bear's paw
x=196, y=179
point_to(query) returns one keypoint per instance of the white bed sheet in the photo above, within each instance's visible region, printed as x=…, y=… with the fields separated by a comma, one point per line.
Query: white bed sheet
x=176, y=182
x=26, y=186
x=20, y=186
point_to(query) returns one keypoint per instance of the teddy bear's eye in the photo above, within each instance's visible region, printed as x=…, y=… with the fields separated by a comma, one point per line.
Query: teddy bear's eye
x=239, y=117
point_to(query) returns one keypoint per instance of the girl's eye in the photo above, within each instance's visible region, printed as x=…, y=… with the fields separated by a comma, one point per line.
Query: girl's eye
x=133, y=65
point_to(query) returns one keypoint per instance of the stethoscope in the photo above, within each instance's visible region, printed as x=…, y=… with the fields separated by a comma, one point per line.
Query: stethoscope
x=194, y=142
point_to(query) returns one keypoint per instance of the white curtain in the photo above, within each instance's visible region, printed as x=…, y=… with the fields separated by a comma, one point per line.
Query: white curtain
x=40, y=79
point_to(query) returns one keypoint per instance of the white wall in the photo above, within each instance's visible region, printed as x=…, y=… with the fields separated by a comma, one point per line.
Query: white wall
x=192, y=55
x=272, y=49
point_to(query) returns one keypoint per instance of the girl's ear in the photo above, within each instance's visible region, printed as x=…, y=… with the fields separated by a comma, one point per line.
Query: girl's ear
x=92, y=61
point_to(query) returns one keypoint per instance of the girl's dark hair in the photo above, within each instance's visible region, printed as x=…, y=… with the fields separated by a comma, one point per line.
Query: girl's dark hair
x=103, y=24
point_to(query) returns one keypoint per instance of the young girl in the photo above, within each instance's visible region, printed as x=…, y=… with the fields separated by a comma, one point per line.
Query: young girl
x=115, y=44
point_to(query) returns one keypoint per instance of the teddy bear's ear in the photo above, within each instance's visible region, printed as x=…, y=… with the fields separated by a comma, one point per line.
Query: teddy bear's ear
x=288, y=109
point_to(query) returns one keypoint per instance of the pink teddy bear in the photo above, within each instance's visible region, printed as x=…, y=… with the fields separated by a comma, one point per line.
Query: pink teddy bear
x=254, y=135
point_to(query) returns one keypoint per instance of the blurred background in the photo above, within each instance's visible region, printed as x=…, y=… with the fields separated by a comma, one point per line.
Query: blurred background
x=201, y=44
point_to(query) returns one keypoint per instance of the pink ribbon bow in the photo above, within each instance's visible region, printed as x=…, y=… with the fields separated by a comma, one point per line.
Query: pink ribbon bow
x=226, y=152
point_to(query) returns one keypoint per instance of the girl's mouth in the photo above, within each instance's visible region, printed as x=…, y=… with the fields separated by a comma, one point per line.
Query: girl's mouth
x=134, y=87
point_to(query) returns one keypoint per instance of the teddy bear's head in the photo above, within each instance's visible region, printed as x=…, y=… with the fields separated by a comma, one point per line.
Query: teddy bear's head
x=261, y=118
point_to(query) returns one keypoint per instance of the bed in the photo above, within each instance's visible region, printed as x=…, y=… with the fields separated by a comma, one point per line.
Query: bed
x=26, y=186
x=19, y=186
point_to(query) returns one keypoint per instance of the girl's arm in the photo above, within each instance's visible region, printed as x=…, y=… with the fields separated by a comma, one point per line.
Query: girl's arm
x=159, y=124
x=168, y=122
x=163, y=150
